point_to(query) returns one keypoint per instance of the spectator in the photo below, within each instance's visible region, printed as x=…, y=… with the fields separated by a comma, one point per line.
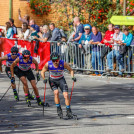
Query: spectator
x=32, y=22
x=56, y=36
x=126, y=42
x=33, y=33
x=79, y=29
x=108, y=35
x=11, y=21
x=46, y=34
x=85, y=38
x=9, y=31
x=25, y=19
x=41, y=29
x=96, y=38
x=24, y=32
x=117, y=39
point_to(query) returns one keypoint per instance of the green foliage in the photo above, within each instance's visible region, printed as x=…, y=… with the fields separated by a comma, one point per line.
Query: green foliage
x=40, y=7
x=95, y=12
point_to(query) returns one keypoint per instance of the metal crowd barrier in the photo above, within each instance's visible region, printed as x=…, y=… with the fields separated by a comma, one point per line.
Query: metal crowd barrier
x=89, y=57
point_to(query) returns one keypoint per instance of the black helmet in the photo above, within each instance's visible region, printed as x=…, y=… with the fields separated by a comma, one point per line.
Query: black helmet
x=54, y=56
x=26, y=52
x=14, y=49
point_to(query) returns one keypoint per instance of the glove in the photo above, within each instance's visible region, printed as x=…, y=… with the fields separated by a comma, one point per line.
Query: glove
x=12, y=80
x=38, y=76
x=45, y=81
x=74, y=79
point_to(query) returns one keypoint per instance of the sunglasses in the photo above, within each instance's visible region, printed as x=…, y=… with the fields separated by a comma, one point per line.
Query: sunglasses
x=14, y=53
x=55, y=60
x=26, y=57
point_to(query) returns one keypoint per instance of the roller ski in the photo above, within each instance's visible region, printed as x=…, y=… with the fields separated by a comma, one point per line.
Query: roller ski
x=28, y=101
x=70, y=115
x=59, y=112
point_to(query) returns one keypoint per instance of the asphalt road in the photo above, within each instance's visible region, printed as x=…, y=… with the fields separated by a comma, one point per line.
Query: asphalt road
x=103, y=106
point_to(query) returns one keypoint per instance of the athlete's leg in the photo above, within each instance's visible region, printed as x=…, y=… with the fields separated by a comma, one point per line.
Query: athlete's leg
x=25, y=85
x=56, y=97
x=66, y=97
x=33, y=83
x=8, y=72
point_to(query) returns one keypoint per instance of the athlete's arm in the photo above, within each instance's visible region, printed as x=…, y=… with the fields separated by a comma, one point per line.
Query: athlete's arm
x=36, y=65
x=45, y=68
x=69, y=69
x=12, y=66
x=3, y=58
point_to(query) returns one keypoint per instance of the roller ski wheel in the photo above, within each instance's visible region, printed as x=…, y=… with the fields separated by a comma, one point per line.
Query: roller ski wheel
x=59, y=112
x=70, y=115
x=29, y=103
x=46, y=104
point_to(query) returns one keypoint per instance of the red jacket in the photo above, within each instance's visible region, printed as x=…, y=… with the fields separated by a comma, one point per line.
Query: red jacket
x=108, y=36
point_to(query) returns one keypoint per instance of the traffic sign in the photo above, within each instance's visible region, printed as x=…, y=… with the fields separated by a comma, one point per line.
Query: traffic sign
x=122, y=20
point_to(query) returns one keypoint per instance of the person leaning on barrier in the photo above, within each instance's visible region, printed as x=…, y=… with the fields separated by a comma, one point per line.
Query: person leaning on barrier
x=45, y=36
x=79, y=30
x=56, y=36
x=108, y=36
x=24, y=33
x=9, y=31
x=116, y=40
x=83, y=44
x=11, y=21
x=32, y=22
x=124, y=46
x=96, y=38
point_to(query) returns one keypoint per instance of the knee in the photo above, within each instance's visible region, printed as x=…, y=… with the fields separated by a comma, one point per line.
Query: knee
x=34, y=86
x=25, y=83
x=66, y=95
x=56, y=93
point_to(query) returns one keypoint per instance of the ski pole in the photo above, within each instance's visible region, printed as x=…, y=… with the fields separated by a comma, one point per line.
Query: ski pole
x=18, y=86
x=5, y=93
x=71, y=92
x=44, y=98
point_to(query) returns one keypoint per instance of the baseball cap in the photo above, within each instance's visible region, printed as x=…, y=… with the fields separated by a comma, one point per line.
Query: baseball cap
x=87, y=27
x=116, y=27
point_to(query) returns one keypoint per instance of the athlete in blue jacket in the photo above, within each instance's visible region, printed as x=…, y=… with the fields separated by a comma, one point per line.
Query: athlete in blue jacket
x=24, y=71
x=56, y=79
x=10, y=58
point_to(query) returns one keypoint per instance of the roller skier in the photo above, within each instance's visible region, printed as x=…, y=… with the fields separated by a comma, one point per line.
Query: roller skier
x=56, y=79
x=24, y=71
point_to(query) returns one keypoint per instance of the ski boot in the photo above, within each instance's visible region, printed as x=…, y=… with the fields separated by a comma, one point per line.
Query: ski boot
x=16, y=95
x=40, y=103
x=31, y=97
x=28, y=101
x=70, y=115
x=59, y=112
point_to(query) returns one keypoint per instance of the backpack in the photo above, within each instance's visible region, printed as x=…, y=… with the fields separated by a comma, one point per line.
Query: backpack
x=63, y=35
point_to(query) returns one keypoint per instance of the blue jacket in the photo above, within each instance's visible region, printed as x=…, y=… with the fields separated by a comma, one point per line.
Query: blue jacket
x=9, y=33
x=127, y=39
x=85, y=37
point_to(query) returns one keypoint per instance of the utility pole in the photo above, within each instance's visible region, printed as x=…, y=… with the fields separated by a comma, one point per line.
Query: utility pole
x=10, y=8
x=124, y=9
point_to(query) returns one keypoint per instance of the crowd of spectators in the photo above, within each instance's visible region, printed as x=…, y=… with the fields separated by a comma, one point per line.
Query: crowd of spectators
x=115, y=42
